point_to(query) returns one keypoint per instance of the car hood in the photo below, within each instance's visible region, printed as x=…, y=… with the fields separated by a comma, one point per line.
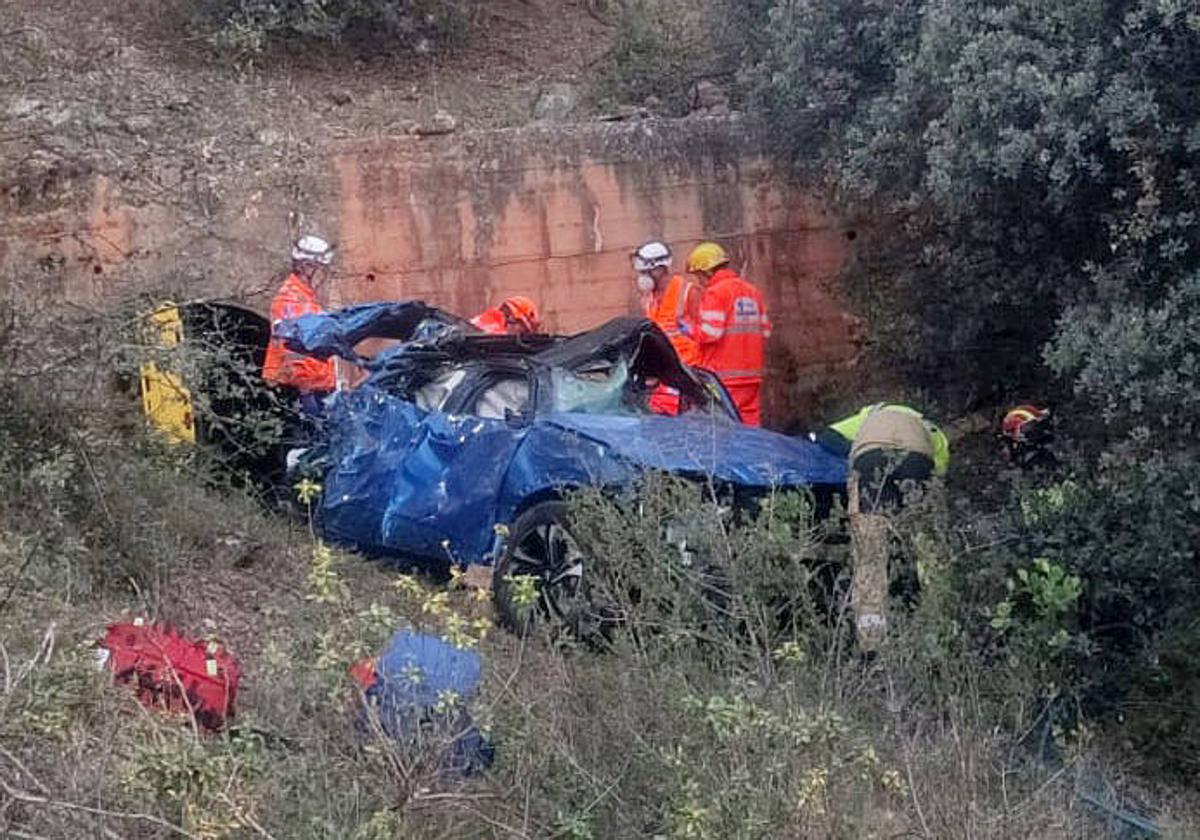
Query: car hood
x=708, y=446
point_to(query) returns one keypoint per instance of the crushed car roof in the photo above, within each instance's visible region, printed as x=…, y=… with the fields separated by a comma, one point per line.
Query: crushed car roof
x=428, y=335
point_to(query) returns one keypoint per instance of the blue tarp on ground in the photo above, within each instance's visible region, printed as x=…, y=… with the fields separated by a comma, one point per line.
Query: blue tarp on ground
x=421, y=693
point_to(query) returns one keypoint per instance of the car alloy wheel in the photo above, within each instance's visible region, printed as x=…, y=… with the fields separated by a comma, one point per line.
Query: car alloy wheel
x=543, y=551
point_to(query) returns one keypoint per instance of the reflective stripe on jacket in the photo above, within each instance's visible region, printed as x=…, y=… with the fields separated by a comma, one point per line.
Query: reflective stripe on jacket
x=671, y=308
x=734, y=327
x=282, y=366
x=899, y=435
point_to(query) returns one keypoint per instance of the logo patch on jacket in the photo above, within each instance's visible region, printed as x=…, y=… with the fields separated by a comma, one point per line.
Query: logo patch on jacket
x=745, y=309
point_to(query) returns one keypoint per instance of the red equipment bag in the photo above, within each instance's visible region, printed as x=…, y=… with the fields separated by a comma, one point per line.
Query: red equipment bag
x=172, y=672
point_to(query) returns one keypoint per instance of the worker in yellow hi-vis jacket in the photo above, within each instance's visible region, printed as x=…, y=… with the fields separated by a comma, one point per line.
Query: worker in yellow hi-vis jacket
x=893, y=450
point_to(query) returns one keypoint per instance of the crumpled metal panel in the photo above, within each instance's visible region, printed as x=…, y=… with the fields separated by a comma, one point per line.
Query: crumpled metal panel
x=576, y=450
x=710, y=447
x=406, y=481
x=424, y=484
x=337, y=333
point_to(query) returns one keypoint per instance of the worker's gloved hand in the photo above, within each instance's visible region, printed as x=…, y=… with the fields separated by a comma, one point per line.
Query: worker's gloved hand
x=683, y=327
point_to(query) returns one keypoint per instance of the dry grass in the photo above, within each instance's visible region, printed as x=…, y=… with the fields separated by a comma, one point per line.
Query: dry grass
x=647, y=739
x=755, y=720
x=694, y=724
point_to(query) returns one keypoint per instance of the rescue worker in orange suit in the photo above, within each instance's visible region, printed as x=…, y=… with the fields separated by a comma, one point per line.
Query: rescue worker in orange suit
x=673, y=303
x=734, y=328
x=517, y=315
x=313, y=378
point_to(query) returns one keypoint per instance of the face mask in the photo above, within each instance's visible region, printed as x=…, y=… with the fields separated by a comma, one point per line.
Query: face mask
x=645, y=283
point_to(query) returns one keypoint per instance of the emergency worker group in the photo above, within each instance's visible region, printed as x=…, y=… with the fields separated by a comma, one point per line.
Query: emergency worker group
x=717, y=320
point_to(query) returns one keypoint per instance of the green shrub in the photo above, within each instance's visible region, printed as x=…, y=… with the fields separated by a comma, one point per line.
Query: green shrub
x=682, y=571
x=1137, y=361
x=1122, y=544
x=93, y=502
x=1029, y=174
x=1015, y=159
x=730, y=702
x=208, y=788
x=249, y=26
x=663, y=47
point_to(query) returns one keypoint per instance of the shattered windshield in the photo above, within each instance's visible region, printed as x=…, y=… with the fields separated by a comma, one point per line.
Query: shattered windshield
x=619, y=388
x=600, y=391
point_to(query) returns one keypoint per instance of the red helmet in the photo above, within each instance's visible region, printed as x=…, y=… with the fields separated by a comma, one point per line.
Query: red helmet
x=1023, y=424
x=521, y=308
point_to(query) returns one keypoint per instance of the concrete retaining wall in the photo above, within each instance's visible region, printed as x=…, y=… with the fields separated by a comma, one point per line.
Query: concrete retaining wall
x=461, y=221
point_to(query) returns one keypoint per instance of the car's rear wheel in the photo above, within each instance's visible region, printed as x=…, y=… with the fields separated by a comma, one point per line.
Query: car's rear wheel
x=540, y=578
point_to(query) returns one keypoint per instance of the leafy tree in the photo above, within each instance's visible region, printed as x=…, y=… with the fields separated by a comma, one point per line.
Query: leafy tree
x=1030, y=167
x=1029, y=171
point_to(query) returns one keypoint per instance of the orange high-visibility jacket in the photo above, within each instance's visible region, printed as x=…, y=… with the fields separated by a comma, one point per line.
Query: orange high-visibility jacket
x=283, y=367
x=733, y=328
x=491, y=321
x=672, y=307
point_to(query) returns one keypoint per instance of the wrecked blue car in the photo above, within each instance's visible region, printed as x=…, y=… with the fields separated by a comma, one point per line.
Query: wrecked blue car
x=459, y=446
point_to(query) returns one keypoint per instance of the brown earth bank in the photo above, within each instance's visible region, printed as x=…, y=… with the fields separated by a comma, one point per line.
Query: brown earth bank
x=139, y=162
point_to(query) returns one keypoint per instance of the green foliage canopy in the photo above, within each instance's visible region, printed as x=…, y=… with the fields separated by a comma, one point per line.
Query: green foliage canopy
x=1029, y=172
x=1030, y=166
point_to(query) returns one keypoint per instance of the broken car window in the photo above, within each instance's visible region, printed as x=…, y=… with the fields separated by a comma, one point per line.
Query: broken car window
x=432, y=396
x=591, y=392
x=503, y=399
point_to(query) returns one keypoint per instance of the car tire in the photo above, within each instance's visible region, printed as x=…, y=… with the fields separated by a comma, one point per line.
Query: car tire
x=542, y=546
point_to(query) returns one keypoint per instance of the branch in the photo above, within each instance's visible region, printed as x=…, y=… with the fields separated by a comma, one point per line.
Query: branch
x=12, y=588
x=24, y=835
x=17, y=763
x=47, y=802
x=245, y=818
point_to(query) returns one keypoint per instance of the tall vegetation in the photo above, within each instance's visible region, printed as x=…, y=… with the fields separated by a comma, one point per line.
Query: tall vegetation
x=662, y=48
x=1030, y=172
x=250, y=26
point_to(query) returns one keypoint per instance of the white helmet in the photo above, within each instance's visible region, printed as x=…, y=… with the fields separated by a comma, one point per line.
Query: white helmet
x=312, y=249
x=651, y=255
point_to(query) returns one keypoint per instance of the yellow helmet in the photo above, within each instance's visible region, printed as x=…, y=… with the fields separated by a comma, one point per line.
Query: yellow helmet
x=706, y=256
